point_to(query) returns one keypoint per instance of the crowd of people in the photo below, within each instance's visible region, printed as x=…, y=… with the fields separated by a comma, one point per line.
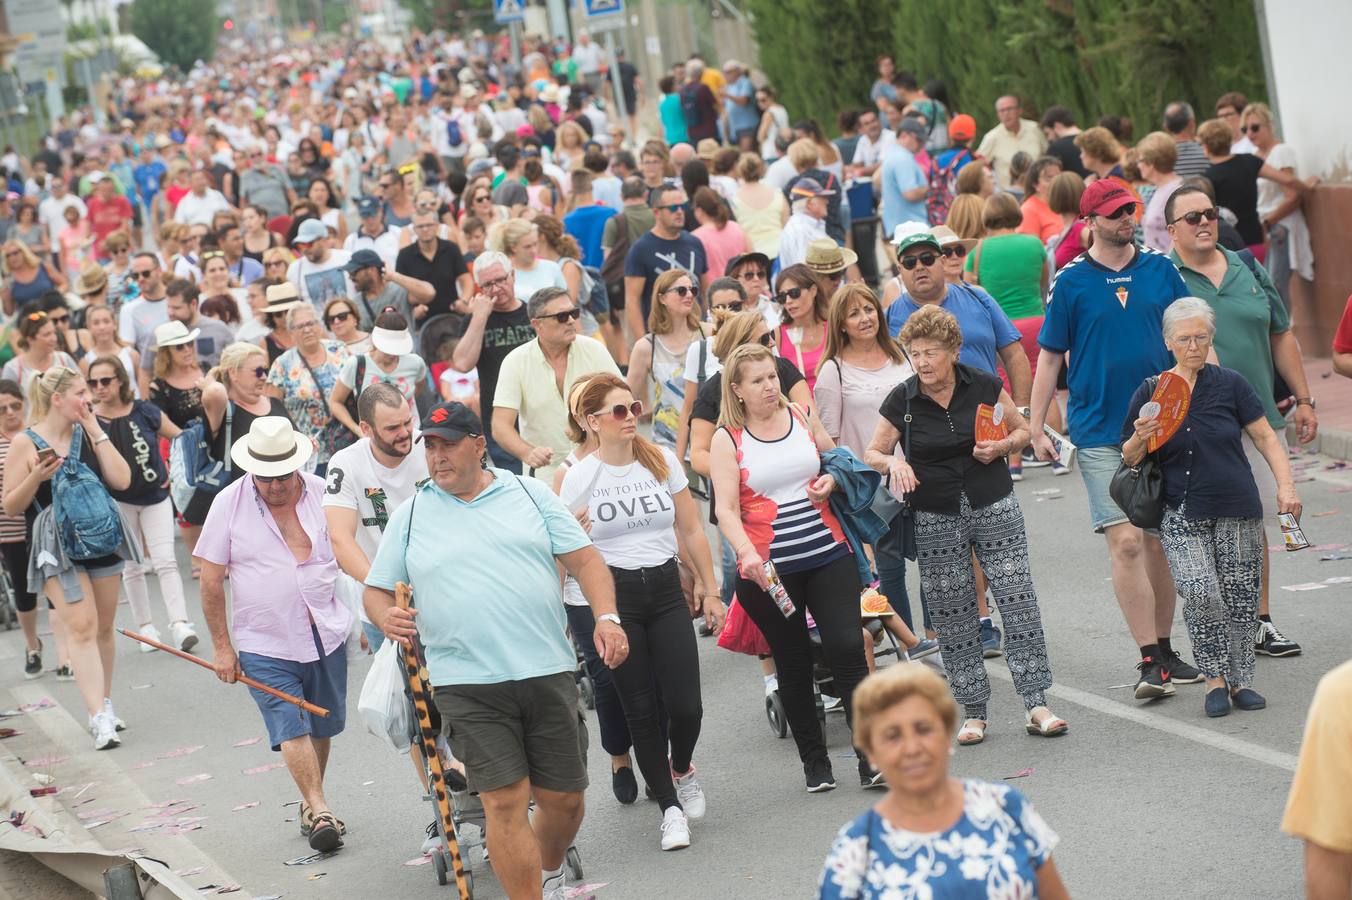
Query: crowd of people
x=426, y=298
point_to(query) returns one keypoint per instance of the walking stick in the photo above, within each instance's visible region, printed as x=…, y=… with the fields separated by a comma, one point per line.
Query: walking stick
x=280, y=695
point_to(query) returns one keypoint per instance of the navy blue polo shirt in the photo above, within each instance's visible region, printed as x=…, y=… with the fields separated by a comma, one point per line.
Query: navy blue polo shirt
x=1111, y=324
x=1204, y=461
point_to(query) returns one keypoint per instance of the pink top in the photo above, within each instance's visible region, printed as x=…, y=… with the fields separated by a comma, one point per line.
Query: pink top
x=720, y=247
x=274, y=598
x=805, y=358
x=1070, y=246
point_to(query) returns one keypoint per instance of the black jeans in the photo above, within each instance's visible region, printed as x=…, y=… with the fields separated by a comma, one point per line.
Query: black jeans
x=609, y=713
x=661, y=650
x=831, y=594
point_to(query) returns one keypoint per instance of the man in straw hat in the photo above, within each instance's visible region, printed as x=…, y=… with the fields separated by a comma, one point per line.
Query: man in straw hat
x=268, y=533
x=829, y=260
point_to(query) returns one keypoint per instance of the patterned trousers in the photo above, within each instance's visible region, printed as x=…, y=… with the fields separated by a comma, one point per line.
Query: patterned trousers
x=1217, y=566
x=945, y=544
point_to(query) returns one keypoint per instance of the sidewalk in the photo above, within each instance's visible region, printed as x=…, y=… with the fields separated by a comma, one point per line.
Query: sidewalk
x=1333, y=394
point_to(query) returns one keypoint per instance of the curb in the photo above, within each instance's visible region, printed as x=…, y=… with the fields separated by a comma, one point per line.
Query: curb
x=1329, y=442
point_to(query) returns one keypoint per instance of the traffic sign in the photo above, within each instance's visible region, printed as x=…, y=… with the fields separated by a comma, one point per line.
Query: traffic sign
x=508, y=11
x=596, y=9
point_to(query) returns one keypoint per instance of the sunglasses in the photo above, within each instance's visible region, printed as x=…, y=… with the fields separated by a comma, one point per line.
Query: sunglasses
x=1254, y=128
x=275, y=262
x=337, y=317
x=11, y=409
x=302, y=246
x=957, y=250
x=1195, y=217
x=259, y=371
x=767, y=340
x=622, y=412
x=790, y=294
x=484, y=198
x=563, y=317
x=212, y=254
x=1128, y=209
x=100, y=382
x=925, y=259
x=752, y=275
x=671, y=207
x=683, y=291
x=386, y=184
x=60, y=319
x=145, y=274
x=273, y=479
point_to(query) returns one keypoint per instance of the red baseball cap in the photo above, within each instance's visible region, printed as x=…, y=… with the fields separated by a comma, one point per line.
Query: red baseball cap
x=1104, y=197
x=962, y=127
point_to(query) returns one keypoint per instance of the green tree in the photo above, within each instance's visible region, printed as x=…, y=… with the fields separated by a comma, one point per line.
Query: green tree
x=179, y=32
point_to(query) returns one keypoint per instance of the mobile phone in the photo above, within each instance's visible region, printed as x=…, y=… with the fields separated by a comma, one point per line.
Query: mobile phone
x=46, y=455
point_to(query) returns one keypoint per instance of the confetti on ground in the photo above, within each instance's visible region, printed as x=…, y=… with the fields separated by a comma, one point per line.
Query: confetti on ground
x=268, y=897
x=1022, y=773
x=1330, y=557
x=309, y=860
x=259, y=770
x=1306, y=586
x=1320, y=548
x=420, y=861
x=44, y=703
x=1299, y=479
x=11, y=732
x=1342, y=489
x=367, y=783
x=144, y=765
x=1047, y=492
x=249, y=805
x=584, y=890
x=44, y=779
x=247, y=742
x=1339, y=579
x=1113, y=687
x=317, y=875
x=188, y=873
x=100, y=814
x=181, y=751
x=1327, y=512
x=83, y=789
x=141, y=687
x=45, y=760
x=193, y=779
x=228, y=889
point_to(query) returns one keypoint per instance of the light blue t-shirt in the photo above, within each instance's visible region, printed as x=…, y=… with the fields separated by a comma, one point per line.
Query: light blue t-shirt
x=490, y=605
x=741, y=116
x=901, y=173
x=985, y=327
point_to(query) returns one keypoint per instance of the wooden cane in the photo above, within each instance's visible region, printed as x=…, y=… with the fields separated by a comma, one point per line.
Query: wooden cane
x=280, y=695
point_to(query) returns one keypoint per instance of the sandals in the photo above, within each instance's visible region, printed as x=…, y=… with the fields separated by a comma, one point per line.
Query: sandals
x=1050, y=726
x=324, y=834
x=976, y=728
x=307, y=821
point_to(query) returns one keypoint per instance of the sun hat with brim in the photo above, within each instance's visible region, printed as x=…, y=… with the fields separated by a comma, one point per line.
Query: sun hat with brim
x=391, y=341
x=948, y=237
x=905, y=232
x=746, y=258
x=271, y=448
x=826, y=257
x=92, y=280
x=173, y=333
x=282, y=297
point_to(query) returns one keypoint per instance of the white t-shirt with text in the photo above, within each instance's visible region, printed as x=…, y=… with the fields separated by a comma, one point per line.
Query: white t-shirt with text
x=632, y=513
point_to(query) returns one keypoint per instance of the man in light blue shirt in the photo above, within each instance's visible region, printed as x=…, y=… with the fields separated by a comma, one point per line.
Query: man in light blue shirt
x=905, y=184
x=478, y=546
x=739, y=104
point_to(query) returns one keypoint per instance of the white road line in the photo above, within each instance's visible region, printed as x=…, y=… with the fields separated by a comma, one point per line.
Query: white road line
x=1256, y=752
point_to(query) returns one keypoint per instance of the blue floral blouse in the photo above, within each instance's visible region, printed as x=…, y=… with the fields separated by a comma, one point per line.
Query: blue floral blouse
x=305, y=401
x=994, y=851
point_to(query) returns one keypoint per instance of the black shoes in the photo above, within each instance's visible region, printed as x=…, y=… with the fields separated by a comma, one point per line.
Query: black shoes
x=625, y=786
x=1179, y=671
x=819, y=777
x=869, y=777
x=1154, y=681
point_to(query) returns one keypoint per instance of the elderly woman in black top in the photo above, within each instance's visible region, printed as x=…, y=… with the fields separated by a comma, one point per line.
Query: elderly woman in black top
x=1213, y=519
x=964, y=501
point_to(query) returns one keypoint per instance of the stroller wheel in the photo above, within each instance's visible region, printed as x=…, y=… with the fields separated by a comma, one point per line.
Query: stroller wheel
x=439, y=863
x=774, y=713
x=588, y=689
x=573, y=860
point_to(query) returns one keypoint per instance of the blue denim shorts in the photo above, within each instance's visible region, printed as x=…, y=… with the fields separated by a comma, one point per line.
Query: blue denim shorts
x=1098, y=465
x=323, y=682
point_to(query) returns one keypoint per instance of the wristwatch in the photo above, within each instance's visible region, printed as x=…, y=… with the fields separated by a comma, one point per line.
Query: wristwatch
x=1305, y=401
x=608, y=617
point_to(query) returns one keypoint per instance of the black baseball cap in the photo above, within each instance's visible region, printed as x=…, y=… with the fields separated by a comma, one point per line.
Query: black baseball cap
x=747, y=257
x=451, y=421
x=364, y=258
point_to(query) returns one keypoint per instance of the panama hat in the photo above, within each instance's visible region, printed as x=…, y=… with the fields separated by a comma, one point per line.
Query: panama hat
x=173, y=333
x=271, y=448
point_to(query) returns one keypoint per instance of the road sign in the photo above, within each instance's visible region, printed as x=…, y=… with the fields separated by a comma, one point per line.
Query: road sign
x=508, y=11
x=596, y=9
x=42, y=33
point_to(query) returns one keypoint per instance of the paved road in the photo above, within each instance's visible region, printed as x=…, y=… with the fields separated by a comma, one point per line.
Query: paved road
x=1146, y=798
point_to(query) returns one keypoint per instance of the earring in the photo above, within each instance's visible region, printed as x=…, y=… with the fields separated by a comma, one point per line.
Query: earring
x=740, y=400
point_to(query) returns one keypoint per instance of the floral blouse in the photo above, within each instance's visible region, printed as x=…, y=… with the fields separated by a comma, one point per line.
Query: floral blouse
x=994, y=851
x=307, y=402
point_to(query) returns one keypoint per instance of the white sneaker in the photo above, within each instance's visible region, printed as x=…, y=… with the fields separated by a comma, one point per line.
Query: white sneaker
x=556, y=888
x=153, y=633
x=675, y=829
x=118, y=724
x=832, y=704
x=771, y=684
x=690, y=794
x=433, y=839
x=184, y=636
x=104, y=732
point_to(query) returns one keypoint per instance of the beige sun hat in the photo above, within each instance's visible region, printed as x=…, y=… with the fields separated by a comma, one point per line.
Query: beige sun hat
x=271, y=448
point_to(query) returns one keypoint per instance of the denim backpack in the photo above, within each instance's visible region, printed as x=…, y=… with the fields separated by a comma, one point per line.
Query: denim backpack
x=88, y=524
x=192, y=468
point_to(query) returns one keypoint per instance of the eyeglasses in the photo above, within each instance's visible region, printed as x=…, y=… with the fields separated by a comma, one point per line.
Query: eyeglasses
x=100, y=382
x=11, y=409
x=752, y=275
x=273, y=479
x=683, y=291
x=143, y=274
x=925, y=259
x=337, y=317
x=1254, y=128
x=791, y=294
x=1127, y=209
x=495, y=283
x=1192, y=340
x=312, y=323
x=385, y=184
x=958, y=250
x=1195, y=217
x=483, y=198
x=766, y=340
x=275, y=262
x=622, y=412
x=563, y=317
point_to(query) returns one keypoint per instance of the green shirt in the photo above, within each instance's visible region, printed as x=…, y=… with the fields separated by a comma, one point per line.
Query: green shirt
x=1010, y=267
x=1248, y=312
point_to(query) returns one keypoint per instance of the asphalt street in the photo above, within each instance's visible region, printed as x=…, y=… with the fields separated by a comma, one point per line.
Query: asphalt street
x=1148, y=799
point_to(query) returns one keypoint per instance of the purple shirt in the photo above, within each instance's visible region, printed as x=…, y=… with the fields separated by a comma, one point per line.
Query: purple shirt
x=274, y=599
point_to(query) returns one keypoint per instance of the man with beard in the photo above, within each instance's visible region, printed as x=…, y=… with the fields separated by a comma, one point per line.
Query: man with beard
x=1106, y=309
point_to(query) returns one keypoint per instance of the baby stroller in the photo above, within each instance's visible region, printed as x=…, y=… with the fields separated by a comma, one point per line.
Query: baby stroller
x=9, y=609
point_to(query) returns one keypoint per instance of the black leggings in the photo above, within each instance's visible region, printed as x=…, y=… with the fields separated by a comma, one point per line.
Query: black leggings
x=831, y=594
x=16, y=561
x=609, y=713
x=662, y=650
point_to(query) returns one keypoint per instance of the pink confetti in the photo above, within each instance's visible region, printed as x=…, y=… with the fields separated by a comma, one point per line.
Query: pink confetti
x=188, y=873
x=247, y=742
x=144, y=765
x=165, y=804
x=419, y=861
x=259, y=770
x=245, y=806
x=181, y=751
x=1327, y=512
x=1343, y=489
x=228, y=889
x=45, y=761
x=101, y=814
x=44, y=703
x=583, y=890
x=193, y=779
x=1022, y=773
x=1318, y=548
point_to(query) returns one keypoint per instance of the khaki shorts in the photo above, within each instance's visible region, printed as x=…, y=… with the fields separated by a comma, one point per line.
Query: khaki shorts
x=511, y=730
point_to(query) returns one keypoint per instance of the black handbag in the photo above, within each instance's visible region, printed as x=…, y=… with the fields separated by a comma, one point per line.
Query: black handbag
x=1139, y=490
x=907, y=514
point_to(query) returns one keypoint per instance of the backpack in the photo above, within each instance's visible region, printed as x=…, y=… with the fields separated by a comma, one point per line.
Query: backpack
x=191, y=465
x=943, y=186
x=594, y=289
x=88, y=523
x=453, y=136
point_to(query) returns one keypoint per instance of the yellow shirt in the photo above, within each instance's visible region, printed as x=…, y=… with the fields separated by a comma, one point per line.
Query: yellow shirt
x=1000, y=144
x=715, y=81
x=526, y=384
x=1319, y=808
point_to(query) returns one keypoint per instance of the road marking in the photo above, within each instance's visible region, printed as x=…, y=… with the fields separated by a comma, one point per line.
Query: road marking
x=1256, y=752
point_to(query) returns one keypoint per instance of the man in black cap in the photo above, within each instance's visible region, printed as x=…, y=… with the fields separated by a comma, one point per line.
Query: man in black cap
x=373, y=234
x=374, y=289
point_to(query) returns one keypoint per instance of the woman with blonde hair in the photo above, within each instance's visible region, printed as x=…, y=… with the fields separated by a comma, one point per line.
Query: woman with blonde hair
x=964, y=217
x=276, y=261
x=103, y=340
x=520, y=241
x=64, y=442
x=659, y=356
x=569, y=146
x=641, y=542
x=1279, y=205
x=761, y=210
x=28, y=278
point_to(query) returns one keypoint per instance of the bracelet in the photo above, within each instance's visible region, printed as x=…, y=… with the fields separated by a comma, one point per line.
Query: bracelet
x=100, y=439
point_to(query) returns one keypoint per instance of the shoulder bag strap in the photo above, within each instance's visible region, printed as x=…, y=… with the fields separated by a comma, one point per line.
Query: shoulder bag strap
x=229, y=422
x=652, y=357
x=703, y=357
x=323, y=398
x=361, y=376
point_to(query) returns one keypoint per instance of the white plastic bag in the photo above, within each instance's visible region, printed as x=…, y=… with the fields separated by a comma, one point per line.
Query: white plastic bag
x=383, y=706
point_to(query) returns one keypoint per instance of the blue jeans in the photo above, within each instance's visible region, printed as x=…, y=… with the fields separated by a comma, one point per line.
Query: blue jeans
x=500, y=457
x=729, y=563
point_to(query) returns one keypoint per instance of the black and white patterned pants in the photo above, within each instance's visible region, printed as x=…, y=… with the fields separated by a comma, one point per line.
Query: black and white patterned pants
x=1217, y=566
x=945, y=544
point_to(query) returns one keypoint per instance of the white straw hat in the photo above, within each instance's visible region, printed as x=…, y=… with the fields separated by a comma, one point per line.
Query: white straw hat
x=272, y=447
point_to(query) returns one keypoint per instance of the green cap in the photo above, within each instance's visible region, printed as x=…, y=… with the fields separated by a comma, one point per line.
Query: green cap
x=912, y=240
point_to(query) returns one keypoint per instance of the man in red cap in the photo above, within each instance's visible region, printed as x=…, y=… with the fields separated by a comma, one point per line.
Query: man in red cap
x=1106, y=309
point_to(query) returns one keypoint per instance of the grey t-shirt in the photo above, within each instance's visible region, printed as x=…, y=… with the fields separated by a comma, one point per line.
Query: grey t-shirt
x=511, y=193
x=393, y=295
x=265, y=186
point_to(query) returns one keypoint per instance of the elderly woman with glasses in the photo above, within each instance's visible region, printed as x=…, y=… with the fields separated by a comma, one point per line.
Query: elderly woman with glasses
x=1213, y=518
x=963, y=501
x=303, y=378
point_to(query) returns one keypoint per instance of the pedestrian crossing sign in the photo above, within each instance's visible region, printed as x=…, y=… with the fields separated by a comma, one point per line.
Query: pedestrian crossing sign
x=507, y=11
x=596, y=8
